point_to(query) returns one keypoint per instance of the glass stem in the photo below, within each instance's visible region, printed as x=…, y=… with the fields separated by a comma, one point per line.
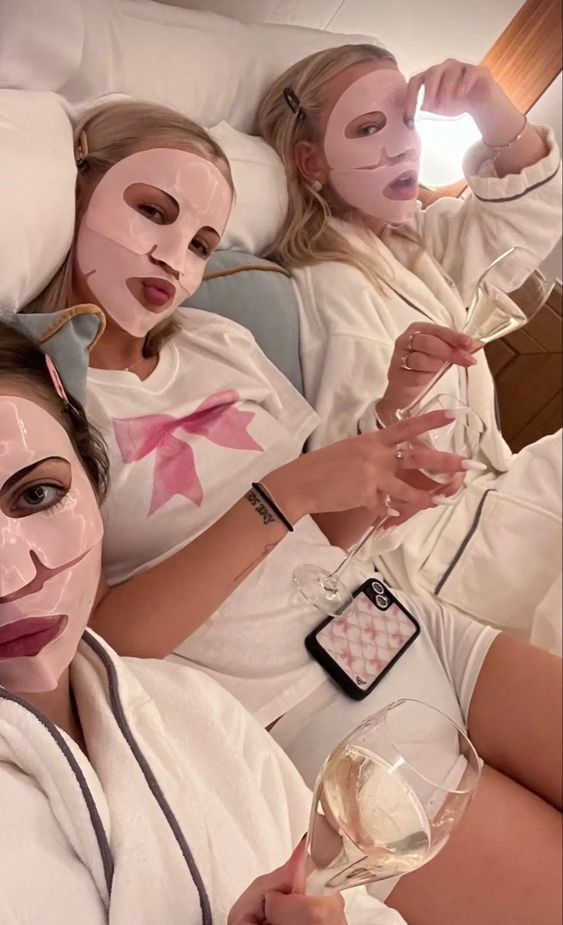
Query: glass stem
x=407, y=412
x=330, y=580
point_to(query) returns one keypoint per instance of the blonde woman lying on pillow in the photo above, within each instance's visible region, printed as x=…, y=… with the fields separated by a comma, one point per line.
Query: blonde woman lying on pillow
x=200, y=568
x=131, y=791
x=384, y=286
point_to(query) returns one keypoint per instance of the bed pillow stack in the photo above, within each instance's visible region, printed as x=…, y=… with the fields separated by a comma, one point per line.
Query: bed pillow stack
x=60, y=56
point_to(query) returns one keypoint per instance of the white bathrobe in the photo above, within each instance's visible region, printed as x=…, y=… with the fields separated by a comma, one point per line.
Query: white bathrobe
x=182, y=802
x=498, y=550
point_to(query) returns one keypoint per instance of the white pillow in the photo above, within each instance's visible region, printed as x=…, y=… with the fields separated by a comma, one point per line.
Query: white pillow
x=316, y=14
x=37, y=178
x=261, y=190
x=210, y=68
x=40, y=43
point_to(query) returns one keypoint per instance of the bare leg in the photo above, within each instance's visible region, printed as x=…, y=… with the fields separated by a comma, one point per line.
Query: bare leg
x=502, y=864
x=515, y=718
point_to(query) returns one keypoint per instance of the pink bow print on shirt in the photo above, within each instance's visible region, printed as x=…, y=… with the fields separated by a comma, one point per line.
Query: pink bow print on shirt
x=175, y=472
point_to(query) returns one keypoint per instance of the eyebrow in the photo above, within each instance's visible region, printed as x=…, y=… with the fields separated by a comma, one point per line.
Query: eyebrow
x=17, y=476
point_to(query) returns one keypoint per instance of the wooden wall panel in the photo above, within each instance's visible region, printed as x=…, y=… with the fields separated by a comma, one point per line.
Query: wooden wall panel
x=528, y=370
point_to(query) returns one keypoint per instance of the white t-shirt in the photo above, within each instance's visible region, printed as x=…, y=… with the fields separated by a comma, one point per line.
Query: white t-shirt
x=187, y=442
x=254, y=643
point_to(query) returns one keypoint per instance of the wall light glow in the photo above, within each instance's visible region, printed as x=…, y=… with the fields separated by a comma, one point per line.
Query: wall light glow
x=444, y=143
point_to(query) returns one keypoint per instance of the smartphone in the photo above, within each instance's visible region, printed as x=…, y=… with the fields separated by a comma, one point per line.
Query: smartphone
x=358, y=646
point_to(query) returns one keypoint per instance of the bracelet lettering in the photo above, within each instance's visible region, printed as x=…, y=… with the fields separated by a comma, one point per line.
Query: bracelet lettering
x=266, y=496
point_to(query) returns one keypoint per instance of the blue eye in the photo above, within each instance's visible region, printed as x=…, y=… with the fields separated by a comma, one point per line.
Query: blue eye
x=36, y=498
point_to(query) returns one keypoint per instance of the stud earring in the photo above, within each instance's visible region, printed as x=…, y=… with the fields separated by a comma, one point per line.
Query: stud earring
x=316, y=185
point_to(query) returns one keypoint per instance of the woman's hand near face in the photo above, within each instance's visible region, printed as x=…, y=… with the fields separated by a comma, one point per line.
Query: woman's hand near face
x=454, y=87
x=270, y=900
x=424, y=349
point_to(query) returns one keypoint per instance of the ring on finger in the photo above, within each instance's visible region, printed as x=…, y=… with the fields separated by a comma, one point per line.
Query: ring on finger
x=387, y=501
x=405, y=363
x=399, y=454
x=410, y=342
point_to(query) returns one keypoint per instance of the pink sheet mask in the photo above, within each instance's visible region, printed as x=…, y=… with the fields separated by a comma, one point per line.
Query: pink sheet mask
x=115, y=242
x=356, y=171
x=66, y=538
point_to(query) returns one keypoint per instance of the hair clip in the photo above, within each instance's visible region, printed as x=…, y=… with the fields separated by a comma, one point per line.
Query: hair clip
x=82, y=151
x=294, y=103
x=58, y=386
x=56, y=380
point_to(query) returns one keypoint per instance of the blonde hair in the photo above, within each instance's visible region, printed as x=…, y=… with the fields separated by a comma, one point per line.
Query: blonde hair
x=307, y=236
x=104, y=136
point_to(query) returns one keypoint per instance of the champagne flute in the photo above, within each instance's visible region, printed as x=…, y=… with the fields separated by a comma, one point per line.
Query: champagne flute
x=326, y=590
x=495, y=311
x=388, y=797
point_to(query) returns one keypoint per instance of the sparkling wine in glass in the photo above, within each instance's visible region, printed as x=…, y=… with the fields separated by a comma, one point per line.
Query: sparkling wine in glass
x=496, y=309
x=388, y=797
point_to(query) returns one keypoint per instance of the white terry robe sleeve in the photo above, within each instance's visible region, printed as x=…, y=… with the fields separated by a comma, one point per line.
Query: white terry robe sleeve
x=519, y=210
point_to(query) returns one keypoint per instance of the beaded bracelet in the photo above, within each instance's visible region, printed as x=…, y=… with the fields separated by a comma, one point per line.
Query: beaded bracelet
x=508, y=144
x=266, y=496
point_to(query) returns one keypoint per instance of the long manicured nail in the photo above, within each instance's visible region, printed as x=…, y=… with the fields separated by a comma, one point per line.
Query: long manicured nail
x=472, y=464
x=453, y=413
x=391, y=512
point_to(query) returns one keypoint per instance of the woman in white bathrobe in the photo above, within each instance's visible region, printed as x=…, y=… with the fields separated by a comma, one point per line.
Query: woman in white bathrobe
x=200, y=567
x=384, y=287
x=131, y=791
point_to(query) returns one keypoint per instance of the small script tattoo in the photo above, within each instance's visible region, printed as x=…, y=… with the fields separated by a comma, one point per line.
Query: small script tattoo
x=260, y=507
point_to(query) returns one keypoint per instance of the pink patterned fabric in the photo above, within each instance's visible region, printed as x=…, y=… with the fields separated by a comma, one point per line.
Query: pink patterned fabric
x=216, y=418
x=363, y=640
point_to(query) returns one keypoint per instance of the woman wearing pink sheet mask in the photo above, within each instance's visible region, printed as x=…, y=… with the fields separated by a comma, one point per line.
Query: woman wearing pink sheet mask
x=50, y=534
x=83, y=732
x=384, y=299
x=150, y=211
x=50, y=522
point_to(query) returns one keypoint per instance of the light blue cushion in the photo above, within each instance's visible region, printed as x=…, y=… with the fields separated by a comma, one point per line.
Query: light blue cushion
x=259, y=295
x=65, y=336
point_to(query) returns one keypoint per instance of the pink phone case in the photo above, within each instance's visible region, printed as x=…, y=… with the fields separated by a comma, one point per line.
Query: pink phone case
x=363, y=640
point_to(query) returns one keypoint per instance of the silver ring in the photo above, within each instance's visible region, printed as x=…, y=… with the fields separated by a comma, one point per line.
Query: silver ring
x=410, y=344
x=387, y=500
x=400, y=454
x=405, y=363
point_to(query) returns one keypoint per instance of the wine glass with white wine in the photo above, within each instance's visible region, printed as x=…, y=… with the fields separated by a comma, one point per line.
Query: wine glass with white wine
x=327, y=590
x=388, y=797
x=496, y=309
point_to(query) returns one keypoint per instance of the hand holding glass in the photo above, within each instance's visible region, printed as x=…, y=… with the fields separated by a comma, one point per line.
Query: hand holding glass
x=326, y=590
x=495, y=311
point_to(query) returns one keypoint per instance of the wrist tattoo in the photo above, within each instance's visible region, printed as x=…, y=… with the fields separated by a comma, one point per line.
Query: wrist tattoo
x=260, y=507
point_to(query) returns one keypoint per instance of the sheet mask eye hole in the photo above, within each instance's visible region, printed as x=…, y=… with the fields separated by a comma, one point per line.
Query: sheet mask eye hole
x=367, y=125
x=152, y=203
